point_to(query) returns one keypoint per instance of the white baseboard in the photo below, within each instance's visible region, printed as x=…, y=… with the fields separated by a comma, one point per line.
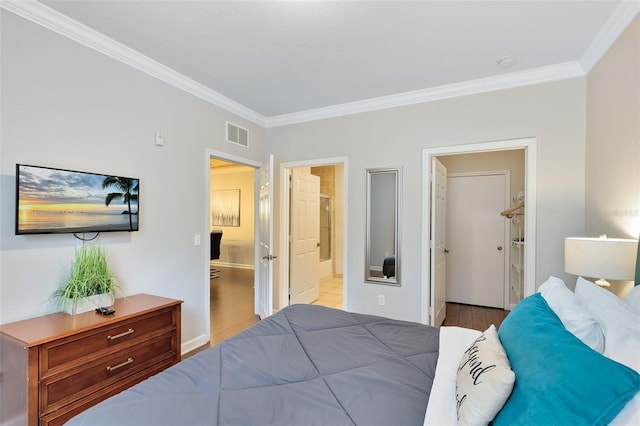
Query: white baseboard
x=192, y=344
x=231, y=265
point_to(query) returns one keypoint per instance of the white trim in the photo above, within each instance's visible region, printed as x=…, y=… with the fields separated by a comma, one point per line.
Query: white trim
x=194, y=343
x=232, y=265
x=615, y=25
x=530, y=147
x=62, y=24
x=55, y=21
x=283, y=252
x=517, y=79
x=206, y=226
x=232, y=158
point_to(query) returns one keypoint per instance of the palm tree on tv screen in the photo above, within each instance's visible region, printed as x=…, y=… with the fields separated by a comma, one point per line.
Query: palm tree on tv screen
x=127, y=189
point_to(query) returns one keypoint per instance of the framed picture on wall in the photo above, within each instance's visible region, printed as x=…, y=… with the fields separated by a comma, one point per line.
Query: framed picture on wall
x=225, y=207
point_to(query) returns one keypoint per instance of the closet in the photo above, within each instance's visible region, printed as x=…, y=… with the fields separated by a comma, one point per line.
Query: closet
x=516, y=276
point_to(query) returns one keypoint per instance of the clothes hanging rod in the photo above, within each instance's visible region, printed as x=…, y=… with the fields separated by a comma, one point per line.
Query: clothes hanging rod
x=513, y=211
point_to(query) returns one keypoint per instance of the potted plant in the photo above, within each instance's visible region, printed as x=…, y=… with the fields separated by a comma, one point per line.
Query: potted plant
x=90, y=284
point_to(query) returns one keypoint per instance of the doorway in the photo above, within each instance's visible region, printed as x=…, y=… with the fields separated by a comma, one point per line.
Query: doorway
x=528, y=147
x=231, y=222
x=330, y=211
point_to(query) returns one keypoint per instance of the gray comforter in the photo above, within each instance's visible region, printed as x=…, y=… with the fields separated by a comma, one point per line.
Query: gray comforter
x=305, y=365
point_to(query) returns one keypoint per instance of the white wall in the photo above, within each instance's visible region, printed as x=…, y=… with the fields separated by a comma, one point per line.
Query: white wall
x=237, y=247
x=64, y=105
x=554, y=113
x=512, y=160
x=613, y=143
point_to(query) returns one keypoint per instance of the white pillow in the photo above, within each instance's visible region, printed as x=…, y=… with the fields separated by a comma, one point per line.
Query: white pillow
x=573, y=313
x=484, y=380
x=441, y=407
x=633, y=298
x=619, y=321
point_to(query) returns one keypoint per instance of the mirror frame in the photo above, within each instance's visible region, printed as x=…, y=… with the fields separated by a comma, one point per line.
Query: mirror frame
x=394, y=281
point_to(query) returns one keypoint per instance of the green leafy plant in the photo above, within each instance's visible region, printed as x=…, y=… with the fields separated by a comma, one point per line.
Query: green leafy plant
x=90, y=276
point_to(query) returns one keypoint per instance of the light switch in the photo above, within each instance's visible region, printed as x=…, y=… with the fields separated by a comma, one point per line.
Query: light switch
x=196, y=240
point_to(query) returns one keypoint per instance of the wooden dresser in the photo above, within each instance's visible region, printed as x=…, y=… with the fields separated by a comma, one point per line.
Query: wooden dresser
x=55, y=366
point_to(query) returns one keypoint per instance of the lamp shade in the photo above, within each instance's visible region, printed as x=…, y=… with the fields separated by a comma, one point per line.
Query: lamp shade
x=609, y=258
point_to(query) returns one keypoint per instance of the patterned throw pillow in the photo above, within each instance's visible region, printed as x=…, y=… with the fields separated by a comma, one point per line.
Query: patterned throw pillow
x=484, y=381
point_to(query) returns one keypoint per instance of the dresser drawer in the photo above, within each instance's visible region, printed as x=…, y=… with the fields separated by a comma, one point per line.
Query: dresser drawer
x=55, y=355
x=61, y=416
x=59, y=362
x=85, y=379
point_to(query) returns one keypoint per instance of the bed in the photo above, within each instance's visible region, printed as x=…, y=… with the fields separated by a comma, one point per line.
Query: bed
x=312, y=365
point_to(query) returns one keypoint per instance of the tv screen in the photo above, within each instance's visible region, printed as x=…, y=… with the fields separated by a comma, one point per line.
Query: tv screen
x=52, y=200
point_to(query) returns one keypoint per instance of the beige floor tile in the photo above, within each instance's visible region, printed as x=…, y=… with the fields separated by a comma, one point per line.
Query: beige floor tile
x=331, y=293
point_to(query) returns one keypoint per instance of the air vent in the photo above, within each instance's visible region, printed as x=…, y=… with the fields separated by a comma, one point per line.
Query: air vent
x=237, y=135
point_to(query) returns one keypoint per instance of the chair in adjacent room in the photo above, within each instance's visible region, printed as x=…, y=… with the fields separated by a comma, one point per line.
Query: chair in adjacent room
x=216, y=238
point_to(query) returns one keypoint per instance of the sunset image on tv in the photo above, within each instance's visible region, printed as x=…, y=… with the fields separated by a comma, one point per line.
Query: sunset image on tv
x=53, y=200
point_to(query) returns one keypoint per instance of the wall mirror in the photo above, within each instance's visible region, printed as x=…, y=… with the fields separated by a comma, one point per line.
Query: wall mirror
x=382, y=260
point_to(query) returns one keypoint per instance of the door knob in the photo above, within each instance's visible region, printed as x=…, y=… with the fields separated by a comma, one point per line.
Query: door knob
x=446, y=250
x=499, y=248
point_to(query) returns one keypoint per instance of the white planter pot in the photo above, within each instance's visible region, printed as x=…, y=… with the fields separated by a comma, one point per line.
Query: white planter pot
x=88, y=304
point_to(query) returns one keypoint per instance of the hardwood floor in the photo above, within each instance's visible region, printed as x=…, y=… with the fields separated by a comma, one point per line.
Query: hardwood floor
x=475, y=317
x=232, y=303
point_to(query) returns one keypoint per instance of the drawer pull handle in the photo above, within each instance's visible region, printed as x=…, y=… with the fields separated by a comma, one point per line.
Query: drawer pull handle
x=117, y=336
x=115, y=367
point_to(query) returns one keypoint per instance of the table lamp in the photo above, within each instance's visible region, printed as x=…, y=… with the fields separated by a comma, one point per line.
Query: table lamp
x=603, y=258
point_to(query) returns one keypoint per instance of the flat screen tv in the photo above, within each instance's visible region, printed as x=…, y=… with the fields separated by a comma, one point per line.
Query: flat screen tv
x=50, y=201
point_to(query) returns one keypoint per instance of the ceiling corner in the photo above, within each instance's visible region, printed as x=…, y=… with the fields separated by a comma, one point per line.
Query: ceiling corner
x=624, y=14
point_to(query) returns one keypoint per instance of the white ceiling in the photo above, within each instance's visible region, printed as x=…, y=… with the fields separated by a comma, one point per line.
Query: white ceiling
x=287, y=58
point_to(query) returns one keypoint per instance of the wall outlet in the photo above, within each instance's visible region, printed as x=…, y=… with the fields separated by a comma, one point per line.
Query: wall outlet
x=381, y=301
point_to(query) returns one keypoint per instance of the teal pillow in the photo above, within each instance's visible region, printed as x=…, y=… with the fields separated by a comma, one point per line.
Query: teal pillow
x=559, y=379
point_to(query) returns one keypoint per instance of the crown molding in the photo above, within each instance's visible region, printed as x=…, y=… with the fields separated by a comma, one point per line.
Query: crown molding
x=48, y=18
x=55, y=21
x=615, y=25
x=506, y=81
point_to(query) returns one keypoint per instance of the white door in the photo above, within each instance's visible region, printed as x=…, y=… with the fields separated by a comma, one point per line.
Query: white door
x=305, y=237
x=438, y=242
x=476, y=239
x=265, y=283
